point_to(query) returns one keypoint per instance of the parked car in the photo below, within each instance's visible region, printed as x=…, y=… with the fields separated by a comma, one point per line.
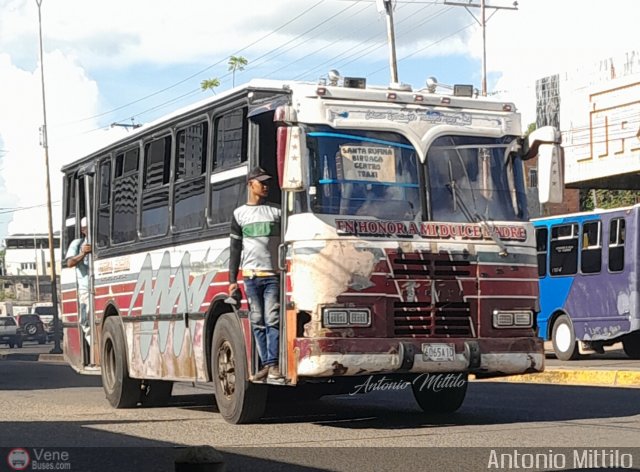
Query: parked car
x=10, y=332
x=49, y=328
x=32, y=327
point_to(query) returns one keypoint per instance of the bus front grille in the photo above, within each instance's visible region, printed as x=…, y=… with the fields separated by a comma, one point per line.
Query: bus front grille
x=427, y=265
x=440, y=319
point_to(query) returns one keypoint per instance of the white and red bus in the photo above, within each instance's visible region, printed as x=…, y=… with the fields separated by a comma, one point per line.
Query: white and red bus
x=406, y=247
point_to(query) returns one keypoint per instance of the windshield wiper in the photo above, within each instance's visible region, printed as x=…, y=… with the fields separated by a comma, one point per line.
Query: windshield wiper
x=473, y=218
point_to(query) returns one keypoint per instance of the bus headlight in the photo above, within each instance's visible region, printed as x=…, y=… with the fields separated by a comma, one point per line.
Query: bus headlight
x=512, y=319
x=346, y=317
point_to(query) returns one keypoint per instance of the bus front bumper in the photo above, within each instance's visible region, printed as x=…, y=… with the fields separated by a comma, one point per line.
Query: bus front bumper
x=331, y=357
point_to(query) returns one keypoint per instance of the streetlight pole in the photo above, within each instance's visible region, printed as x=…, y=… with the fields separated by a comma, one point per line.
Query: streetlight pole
x=386, y=7
x=483, y=24
x=54, y=286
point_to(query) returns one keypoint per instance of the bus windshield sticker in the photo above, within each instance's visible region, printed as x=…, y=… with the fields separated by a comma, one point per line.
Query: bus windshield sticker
x=368, y=163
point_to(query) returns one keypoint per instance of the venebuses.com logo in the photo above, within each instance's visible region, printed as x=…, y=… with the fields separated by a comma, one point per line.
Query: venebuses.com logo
x=18, y=459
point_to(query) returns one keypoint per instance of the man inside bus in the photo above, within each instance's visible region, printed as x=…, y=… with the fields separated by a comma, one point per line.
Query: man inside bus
x=77, y=257
x=255, y=236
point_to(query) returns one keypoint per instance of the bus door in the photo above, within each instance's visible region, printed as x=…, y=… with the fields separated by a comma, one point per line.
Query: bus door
x=265, y=132
x=81, y=344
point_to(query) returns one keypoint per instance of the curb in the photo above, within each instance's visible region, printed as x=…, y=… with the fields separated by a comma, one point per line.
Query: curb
x=16, y=356
x=592, y=377
x=51, y=358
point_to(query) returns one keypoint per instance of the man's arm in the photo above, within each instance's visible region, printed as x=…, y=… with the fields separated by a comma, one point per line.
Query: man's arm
x=76, y=253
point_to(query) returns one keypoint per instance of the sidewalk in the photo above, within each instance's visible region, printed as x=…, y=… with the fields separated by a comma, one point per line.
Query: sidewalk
x=611, y=369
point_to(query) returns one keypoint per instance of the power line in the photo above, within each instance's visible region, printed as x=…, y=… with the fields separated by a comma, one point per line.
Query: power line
x=197, y=73
x=358, y=52
x=4, y=211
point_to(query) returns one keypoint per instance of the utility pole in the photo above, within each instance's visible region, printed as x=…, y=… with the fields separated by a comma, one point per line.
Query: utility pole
x=52, y=256
x=386, y=7
x=35, y=245
x=483, y=24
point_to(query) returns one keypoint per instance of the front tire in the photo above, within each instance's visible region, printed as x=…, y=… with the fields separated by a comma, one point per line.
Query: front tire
x=239, y=401
x=440, y=393
x=121, y=390
x=563, y=339
x=631, y=345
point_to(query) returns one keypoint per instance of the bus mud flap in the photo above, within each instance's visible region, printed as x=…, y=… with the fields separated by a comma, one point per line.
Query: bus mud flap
x=472, y=351
x=407, y=353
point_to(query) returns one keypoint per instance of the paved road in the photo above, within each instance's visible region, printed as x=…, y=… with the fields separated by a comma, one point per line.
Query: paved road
x=49, y=405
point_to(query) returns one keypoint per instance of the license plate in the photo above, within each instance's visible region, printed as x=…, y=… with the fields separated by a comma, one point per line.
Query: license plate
x=438, y=352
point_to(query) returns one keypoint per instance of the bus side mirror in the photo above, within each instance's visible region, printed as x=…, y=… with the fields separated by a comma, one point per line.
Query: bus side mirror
x=545, y=143
x=290, y=152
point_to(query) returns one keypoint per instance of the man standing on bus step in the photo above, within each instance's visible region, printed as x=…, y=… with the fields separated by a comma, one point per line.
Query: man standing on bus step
x=77, y=257
x=255, y=236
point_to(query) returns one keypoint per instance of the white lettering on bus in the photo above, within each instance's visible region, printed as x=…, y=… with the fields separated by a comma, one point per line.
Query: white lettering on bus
x=160, y=298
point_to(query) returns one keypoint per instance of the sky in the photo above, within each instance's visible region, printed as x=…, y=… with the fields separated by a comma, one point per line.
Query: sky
x=127, y=62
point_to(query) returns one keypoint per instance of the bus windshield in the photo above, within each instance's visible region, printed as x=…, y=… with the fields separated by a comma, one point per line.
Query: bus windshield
x=471, y=179
x=363, y=173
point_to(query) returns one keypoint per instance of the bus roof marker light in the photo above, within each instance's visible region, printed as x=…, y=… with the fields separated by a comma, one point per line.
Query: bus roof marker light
x=418, y=98
x=334, y=77
x=432, y=84
x=507, y=107
x=461, y=90
x=445, y=100
x=392, y=96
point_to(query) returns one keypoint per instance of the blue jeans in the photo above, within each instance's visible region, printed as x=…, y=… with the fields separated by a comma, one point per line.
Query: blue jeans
x=263, y=294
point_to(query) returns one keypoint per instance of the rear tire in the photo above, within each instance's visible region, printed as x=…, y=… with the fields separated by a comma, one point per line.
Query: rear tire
x=563, y=339
x=631, y=345
x=121, y=390
x=239, y=401
x=435, y=398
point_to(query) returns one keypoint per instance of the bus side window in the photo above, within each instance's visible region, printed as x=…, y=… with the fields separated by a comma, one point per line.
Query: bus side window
x=591, y=254
x=228, y=188
x=154, y=211
x=125, y=197
x=104, y=204
x=542, y=234
x=190, y=177
x=616, y=245
x=564, y=250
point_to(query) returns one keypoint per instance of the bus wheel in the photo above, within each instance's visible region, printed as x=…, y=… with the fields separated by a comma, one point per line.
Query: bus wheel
x=435, y=398
x=239, y=401
x=564, y=339
x=121, y=390
x=157, y=392
x=631, y=345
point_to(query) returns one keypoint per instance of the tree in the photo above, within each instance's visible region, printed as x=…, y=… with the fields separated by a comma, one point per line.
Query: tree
x=607, y=198
x=210, y=84
x=236, y=63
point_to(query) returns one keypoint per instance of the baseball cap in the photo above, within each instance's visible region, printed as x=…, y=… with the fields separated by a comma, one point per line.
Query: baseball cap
x=259, y=174
x=83, y=222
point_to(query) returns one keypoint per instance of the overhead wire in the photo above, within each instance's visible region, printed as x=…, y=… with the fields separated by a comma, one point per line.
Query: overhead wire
x=358, y=50
x=200, y=72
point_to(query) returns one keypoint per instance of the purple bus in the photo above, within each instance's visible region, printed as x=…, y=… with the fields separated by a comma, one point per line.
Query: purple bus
x=589, y=287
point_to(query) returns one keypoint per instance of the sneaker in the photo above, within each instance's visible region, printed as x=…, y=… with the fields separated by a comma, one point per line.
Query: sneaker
x=274, y=373
x=261, y=375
